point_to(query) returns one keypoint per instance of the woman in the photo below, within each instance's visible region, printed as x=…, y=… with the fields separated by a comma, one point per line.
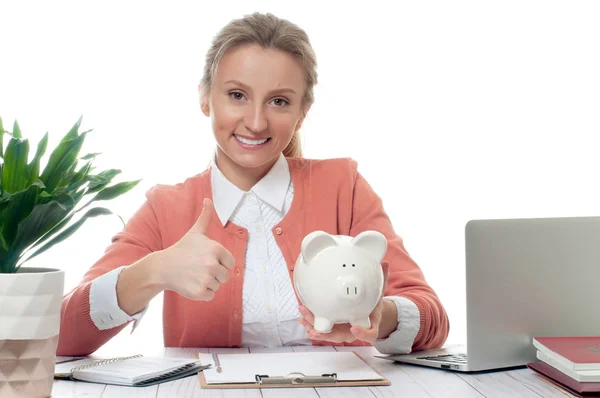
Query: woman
x=222, y=244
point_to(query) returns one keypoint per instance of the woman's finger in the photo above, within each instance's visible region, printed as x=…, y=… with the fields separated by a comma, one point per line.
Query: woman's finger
x=338, y=336
x=306, y=325
x=339, y=333
x=372, y=333
x=386, y=274
x=376, y=315
x=212, y=284
x=306, y=314
x=225, y=257
x=363, y=334
x=221, y=273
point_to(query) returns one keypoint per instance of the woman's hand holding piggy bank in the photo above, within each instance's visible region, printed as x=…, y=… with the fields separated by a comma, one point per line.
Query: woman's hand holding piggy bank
x=340, y=280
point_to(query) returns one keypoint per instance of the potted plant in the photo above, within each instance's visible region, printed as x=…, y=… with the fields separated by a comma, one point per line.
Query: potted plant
x=38, y=209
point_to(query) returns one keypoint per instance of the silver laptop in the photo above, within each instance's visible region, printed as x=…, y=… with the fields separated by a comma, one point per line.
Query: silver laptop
x=524, y=278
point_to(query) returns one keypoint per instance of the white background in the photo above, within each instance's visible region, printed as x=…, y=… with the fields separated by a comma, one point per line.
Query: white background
x=455, y=110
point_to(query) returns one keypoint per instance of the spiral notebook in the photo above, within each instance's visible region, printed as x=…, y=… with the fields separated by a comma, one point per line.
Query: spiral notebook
x=136, y=371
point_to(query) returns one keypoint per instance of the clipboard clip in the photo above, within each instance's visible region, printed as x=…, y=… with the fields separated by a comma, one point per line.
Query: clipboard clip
x=296, y=378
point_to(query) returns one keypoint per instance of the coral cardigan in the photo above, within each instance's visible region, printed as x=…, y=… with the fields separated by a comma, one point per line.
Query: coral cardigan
x=329, y=195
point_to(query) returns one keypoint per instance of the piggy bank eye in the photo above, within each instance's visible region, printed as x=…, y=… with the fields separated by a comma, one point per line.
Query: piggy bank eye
x=343, y=265
x=354, y=265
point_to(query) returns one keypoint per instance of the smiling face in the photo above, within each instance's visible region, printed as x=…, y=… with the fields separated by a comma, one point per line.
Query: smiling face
x=255, y=105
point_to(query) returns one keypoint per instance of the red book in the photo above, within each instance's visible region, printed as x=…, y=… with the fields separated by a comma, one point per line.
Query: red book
x=561, y=380
x=577, y=353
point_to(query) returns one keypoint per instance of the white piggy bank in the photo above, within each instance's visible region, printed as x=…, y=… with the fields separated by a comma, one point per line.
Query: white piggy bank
x=340, y=278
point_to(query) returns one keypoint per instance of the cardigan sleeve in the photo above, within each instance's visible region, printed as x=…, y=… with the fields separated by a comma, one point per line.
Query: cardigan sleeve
x=78, y=334
x=405, y=277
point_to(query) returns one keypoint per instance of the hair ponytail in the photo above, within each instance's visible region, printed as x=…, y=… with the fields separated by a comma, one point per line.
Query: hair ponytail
x=294, y=148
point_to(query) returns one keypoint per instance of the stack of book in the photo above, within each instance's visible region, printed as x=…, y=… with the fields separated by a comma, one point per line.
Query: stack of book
x=572, y=363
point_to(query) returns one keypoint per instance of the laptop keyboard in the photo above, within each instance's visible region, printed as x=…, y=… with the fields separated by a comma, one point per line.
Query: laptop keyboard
x=454, y=358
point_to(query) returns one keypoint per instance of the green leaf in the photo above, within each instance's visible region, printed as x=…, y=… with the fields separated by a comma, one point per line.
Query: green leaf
x=100, y=181
x=44, y=197
x=1, y=142
x=4, y=269
x=61, y=161
x=42, y=219
x=76, y=198
x=17, y=208
x=73, y=132
x=4, y=200
x=112, y=192
x=96, y=211
x=16, y=130
x=33, y=169
x=78, y=195
x=4, y=246
x=5, y=196
x=14, y=171
x=66, y=177
x=79, y=178
x=90, y=156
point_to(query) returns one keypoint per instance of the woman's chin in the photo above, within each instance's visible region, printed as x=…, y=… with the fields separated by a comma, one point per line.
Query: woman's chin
x=253, y=160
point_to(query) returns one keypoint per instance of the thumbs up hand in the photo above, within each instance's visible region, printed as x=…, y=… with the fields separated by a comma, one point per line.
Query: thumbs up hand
x=197, y=265
x=202, y=223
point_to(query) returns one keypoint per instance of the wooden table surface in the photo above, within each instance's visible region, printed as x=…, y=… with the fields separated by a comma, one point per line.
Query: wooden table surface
x=407, y=381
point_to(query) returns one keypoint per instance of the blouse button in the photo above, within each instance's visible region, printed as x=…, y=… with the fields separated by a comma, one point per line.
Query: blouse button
x=237, y=271
x=278, y=231
x=235, y=314
x=240, y=232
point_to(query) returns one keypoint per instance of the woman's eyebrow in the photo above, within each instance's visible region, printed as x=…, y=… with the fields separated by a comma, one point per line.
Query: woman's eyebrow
x=249, y=89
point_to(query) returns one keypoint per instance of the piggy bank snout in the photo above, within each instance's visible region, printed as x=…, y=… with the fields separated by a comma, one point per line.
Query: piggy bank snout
x=350, y=287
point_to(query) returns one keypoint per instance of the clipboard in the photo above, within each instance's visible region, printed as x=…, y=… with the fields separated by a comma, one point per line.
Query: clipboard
x=295, y=379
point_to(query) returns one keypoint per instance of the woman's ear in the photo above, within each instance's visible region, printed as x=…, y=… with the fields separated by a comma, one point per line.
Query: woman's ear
x=204, y=106
x=302, y=117
x=299, y=124
x=203, y=100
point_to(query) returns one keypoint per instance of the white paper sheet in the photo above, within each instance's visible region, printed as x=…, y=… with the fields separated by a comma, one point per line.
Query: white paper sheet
x=243, y=368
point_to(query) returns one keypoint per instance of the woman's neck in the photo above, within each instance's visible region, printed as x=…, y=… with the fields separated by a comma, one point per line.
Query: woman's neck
x=242, y=177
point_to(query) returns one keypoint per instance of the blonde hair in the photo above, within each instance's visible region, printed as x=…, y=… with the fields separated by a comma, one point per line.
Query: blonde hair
x=270, y=32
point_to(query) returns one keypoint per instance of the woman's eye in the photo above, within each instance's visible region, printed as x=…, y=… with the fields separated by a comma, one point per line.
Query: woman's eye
x=236, y=96
x=280, y=102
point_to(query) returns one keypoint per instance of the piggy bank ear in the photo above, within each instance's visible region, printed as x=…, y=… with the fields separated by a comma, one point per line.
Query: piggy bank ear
x=314, y=243
x=373, y=241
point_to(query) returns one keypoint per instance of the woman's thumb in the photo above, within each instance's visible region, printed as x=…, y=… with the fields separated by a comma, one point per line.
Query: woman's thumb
x=385, y=265
x=203, y=221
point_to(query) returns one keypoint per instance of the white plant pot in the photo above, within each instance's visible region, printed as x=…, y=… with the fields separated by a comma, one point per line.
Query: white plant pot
x=30, y=303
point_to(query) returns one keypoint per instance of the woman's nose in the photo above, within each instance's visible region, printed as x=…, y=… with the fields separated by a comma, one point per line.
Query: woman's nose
x=256, y=119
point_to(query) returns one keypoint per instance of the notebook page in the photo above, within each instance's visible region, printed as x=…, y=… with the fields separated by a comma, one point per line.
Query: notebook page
x=63, y=368
x=242, y=368
x=62, y=359
x=128, y=371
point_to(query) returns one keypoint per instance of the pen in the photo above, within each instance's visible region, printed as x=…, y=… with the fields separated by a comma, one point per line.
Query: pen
x=217, y=363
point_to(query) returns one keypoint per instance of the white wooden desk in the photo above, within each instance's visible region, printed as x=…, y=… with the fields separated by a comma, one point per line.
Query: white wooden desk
x=407, y=382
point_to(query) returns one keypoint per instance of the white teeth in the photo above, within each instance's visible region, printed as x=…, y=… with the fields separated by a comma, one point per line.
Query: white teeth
x=250, y=142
